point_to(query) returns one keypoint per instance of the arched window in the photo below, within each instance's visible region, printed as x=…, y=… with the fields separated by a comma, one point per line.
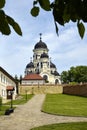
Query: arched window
x=56, y=81
x=36, y=56
x=41, y=65
x=45, y=78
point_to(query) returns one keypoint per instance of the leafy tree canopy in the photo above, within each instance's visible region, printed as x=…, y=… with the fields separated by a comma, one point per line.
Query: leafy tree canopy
x=64, y=11
x=75, y=74
x=7, y=21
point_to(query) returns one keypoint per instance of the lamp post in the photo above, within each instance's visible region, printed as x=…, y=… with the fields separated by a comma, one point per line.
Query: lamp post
x=26, y=94
x=11, y=93
x=11, y=110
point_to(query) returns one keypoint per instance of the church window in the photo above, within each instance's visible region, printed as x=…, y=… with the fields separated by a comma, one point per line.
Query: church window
x=1, y=77
x=56, y=81
x=37, y=64
x=41, y=65
x=36, y=56
x=45, y=78
x=48, y=64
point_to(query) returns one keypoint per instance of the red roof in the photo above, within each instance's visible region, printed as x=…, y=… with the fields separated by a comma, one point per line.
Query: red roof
x=10, y=87
x=33, y=77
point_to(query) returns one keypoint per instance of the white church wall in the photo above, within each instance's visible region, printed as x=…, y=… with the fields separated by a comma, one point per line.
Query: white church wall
x=32, y=82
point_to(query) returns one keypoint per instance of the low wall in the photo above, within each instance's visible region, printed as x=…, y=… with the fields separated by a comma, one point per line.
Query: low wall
x=80, y=90
x=35, y=89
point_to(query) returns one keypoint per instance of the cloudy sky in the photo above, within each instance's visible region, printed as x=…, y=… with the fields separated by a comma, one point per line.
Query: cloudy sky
x=65, y=50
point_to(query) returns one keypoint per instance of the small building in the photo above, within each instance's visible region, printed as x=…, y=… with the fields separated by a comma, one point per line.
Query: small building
x=7, y=85
x=32, y=79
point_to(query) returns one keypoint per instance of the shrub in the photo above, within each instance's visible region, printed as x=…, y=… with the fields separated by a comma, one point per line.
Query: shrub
x=73, y=83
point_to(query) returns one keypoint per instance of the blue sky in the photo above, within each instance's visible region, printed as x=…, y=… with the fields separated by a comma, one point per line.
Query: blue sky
x=65, y=50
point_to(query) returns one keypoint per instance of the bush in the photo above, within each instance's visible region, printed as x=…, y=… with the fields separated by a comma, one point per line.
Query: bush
x=73, y=83
x=46, y=81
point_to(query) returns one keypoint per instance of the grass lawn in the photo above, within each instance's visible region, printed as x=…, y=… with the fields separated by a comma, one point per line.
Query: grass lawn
x=3, y=109
x=19, y=101
x=62, y=104
x=64, y=126
x=23, y=99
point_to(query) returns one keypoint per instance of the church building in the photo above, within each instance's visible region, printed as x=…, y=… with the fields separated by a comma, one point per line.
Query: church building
x=42, y=65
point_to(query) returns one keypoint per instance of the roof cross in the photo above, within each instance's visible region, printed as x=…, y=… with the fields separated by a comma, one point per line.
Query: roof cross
x=40, y=36
x=31, y=59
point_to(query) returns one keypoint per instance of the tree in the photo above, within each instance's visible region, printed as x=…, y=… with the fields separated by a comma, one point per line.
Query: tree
x=20, y=78
x=81, y=73
x=64, y=77
x=75, y=74
x=64, y=11
x=72, y=74
x=17, y=82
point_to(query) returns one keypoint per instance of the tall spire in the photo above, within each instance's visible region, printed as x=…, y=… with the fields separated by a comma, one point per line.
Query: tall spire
x=40, y=36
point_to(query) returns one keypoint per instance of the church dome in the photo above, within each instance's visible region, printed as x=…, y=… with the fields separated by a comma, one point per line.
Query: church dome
x=40, y=44
x=30, y=65
x=52, y=65
x=44, y=55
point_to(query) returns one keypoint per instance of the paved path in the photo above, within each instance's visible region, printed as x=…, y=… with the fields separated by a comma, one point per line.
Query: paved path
x=29, y=115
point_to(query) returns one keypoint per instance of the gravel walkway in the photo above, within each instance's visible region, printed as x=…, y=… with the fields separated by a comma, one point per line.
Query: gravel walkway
x=29, y=115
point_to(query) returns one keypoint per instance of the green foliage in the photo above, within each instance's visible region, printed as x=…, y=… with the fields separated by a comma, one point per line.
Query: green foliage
x=3, y=109
x=73, y=83
x=46, y=81
x=14, y=25
x=6, y=21
x=61, y=104
x=63, y=126
x=75, y=74
x=81, y=29
x=4, y=26
x=65, y=11
x=21, y=100
x=45, y=4
x=64, y=77
x=35, y=11
x=2, y=3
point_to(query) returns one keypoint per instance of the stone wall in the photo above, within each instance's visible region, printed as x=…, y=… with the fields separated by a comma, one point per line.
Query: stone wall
x=35, y=89
x=80, y=90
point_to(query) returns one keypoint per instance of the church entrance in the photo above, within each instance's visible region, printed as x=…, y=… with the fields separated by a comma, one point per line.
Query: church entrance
x=56, y=81
x=45, y=78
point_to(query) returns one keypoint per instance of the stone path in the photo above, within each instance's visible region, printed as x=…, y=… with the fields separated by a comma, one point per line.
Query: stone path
x=29, y=115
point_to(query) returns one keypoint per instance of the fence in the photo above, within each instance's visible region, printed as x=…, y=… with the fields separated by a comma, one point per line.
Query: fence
x=80, y=90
